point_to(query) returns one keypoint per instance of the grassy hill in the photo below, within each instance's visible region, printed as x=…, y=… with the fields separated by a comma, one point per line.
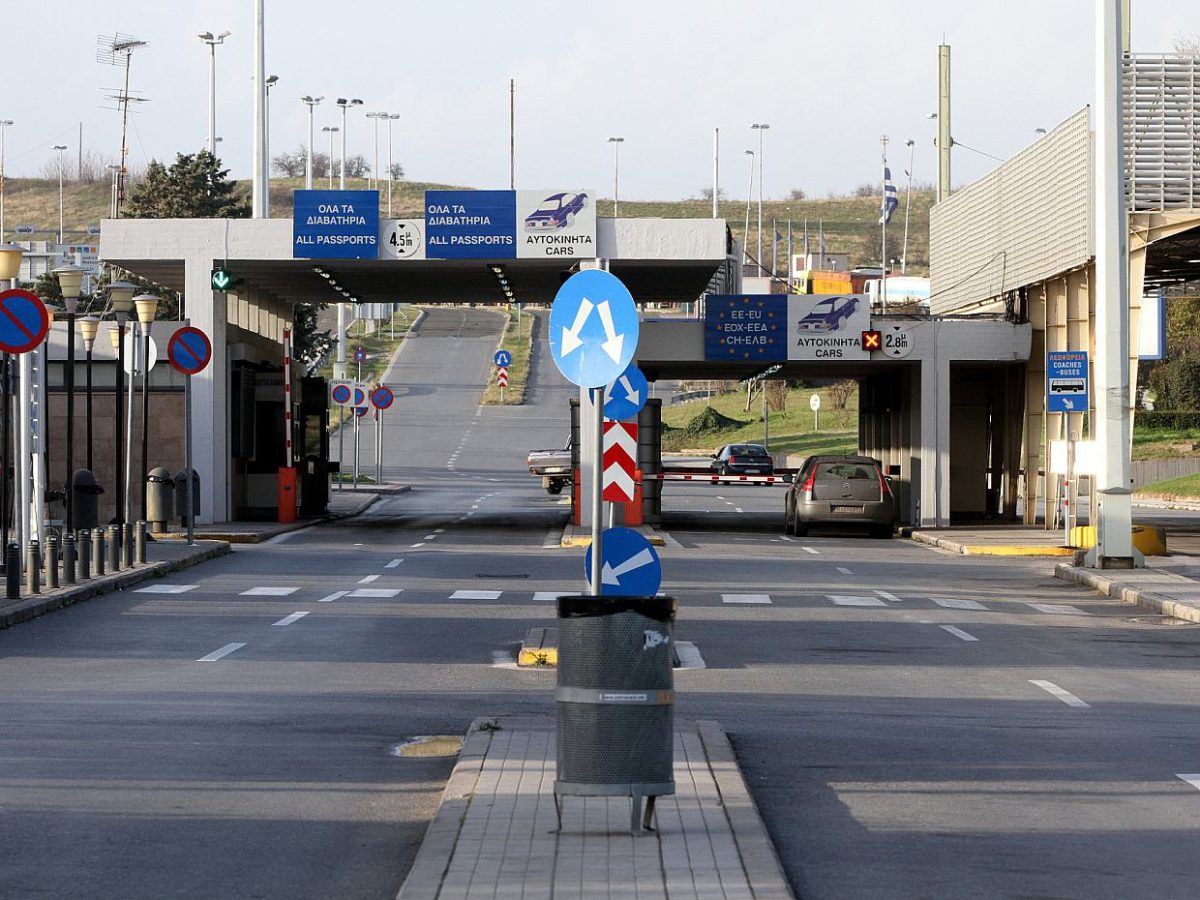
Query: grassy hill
x=851, y=223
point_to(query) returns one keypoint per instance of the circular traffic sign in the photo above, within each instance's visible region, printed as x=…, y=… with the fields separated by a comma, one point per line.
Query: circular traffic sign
x=814, y=402
x=627, y=395
x=593, y=328
x=360, y=355
x=23, y=321
x=503, y=359
x=361, y=411
x=132, y=343
x=340, y=394
x=189, y=350
x=629, y=564
x=360, y=396
x=382, y=397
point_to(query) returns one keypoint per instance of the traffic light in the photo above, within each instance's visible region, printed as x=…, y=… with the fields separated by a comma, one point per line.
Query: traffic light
x=872, y=340
x=222, y=279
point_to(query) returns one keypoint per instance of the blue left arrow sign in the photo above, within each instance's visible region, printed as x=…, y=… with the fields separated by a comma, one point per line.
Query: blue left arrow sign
x=630, y=566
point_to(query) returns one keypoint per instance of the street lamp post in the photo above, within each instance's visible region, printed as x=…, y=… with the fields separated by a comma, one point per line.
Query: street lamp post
x=89, y=327
x=147, y=308
x=311, y=103
x=391, y=117
x=911, y=144
x=616, y=142
x=746, y=228
x=70, y=281
x=208, y=38
x=344, y=104
x=760, y=128
x=375, y=117
x=331, y=131
x=120, y=298
x=4, y=123
x=61, y=148
x=270, y=83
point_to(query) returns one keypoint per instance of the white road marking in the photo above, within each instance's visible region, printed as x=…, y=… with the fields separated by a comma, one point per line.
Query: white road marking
x=368, y=579
x=166, y=589
x=719, y=497
x=737, y=509
x=224, y=651
x=840, y=600
x=431, y=537
x=689, y=656
x=745, y=598
x=669, y=541
x=1056, y=609
x=502, y=659
x=844, y=570
x=439, y=530
x=784, y=537
x=959, y=633
x=393, y=564
x=548, y=596
x=375, y=593
x=476, y=595
x=810, y=550
x=886, y=596
x=294, y=617
x=1065, y=696
x=334, y=596
x=269, y=592
x=1193, y=780
x=282, y=538
x=952, y=603
x=415, y=546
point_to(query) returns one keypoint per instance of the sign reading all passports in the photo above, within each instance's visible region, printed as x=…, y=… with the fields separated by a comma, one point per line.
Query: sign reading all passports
x=772, y=327
x=510, y=224
x=335, y=225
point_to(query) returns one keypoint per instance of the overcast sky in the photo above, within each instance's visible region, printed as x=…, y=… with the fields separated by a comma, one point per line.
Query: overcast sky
x=829, y=78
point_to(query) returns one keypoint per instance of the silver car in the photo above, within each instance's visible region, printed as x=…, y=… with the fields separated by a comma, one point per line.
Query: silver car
x=836, y=490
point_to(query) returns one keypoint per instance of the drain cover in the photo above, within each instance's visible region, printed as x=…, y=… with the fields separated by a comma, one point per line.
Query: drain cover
x=428, y=745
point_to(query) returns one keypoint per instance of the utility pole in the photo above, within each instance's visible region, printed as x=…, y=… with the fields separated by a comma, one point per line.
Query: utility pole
x=760, y=128
x=907, y=204
x=944, y=140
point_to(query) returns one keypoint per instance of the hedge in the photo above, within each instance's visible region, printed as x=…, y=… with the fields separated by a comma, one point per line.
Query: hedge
x=1167, y=419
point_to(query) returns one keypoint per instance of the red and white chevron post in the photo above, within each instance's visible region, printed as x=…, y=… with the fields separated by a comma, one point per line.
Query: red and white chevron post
x=502, y=376
x=620, y=461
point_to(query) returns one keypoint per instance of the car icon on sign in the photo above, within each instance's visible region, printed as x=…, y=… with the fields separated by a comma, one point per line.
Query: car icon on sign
x=556, y=211
x=829, y=314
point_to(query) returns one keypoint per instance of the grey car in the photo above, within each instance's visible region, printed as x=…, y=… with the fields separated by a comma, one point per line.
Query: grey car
x=838, y=490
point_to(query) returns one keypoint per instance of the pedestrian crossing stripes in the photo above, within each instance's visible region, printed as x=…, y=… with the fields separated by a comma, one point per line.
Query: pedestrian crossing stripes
x=166, y=589
x=845, y=600
x=476, y=595
x=951, y=603
x=745, y=598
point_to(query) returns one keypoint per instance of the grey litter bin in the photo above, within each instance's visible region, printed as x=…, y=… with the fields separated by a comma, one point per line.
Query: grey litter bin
x=160, y=496
x=615, y=700
x=87, y=498
x=181, y=482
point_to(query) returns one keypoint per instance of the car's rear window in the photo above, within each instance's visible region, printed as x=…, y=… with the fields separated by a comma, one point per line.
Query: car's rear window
x=747, y=450
x=845, y=471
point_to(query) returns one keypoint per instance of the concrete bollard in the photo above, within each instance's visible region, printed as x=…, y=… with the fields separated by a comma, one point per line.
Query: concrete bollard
x=69, y=560
x=127, y=540
x=33, y=568
x=51, y=562
x=114, y=548
x=98, y=551
x=141, y=543
x=85, y=554
x=12, y=571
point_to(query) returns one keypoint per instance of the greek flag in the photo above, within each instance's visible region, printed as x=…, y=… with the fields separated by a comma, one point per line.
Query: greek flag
x=890, y=199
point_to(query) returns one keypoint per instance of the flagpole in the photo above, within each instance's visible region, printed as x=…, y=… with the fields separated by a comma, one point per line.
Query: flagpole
x=806, y=242
x=907, y=207
x=774, y=249
x=883, y=231
x=791, y=256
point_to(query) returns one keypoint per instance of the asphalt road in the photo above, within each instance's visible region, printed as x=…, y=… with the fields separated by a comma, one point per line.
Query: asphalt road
x=911, y=723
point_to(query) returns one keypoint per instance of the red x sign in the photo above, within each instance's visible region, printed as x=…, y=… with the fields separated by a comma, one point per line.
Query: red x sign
x=872, y=340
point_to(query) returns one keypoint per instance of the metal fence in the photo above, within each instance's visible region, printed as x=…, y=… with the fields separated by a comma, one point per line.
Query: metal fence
x=1148, y=471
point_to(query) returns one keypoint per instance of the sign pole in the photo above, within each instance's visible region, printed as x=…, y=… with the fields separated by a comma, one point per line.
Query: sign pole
x=187, y=459
x=25, y=440
x=341, y=486
x=378, y=447
x=597, y=490
x=356, y=420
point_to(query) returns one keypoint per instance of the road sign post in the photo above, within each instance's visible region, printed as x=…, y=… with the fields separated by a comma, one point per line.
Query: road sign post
x=814, y=403
x=189, y=352
x=381, y=398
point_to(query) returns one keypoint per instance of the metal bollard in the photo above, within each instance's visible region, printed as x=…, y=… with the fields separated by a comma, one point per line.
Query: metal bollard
x=127, y=540
x=51, y=562
x=114, y=548
x=33, y=568
x=141, y=543
x=12, y=571
x=98, y=551
x=69, y=559
x=85, y=554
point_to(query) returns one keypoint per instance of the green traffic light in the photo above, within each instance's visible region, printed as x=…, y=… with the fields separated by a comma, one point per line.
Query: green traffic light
x=222, y=279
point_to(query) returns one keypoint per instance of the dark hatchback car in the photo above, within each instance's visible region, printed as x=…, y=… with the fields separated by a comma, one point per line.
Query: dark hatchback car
x=840, y=490
x=742, y=459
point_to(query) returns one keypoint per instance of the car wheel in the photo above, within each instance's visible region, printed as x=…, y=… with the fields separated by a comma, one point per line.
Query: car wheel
x=554, y=489
x=789, y=515
x=799, y=529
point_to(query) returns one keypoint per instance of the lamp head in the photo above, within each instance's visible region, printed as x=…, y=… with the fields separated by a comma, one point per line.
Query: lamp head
x=10, y=260
x=272, y=80
x=70, y=282
x=120, y=295
x=114, y=337
x=205, y=36
x=147, y=308
x=88, y=328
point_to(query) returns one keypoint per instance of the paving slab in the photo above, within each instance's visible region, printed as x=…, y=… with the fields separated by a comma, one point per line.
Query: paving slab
x=494, y=834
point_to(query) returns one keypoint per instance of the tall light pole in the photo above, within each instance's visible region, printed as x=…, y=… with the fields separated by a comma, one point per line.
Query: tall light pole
x=261, y=164
x=616, y=142
x=392, y=117
x=61, y=148
x=10, y=266
x=89, y=327
x=70, y=281
x=375, y=117
x=311, y=103
x=345, y=105
x=331, y=131
x=208, y=38
x=760, y=128
x=4, y=123
x=911, y=145
x=746, y=229
x=269, y=83
x=147, y=308
x=120, y=298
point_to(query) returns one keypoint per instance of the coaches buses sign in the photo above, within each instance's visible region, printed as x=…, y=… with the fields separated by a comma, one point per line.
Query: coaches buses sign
x=772, y=327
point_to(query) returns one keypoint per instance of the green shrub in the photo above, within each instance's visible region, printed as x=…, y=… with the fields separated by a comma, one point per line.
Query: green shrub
x=1167, y=419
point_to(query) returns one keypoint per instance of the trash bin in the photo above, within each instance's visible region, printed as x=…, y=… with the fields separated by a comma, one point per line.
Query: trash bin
x=160, y=494
x=615, y=700
x=181, y=510
x=87, y=498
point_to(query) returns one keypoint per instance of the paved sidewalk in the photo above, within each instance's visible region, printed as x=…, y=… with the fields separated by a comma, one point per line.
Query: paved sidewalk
x=996, y=540
x=493, y=835
x=1168, y=585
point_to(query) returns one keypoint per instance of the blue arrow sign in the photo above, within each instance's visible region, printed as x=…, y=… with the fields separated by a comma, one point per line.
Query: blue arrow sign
x=627, y=395
x=503, y=359
x=593, y=328
x=630, y=566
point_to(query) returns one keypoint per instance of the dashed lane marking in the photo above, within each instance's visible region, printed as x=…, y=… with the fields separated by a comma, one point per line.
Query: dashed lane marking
x=367, y=579
x=218, y=654
x=886, y=596
x=784, y=537
x=812, y=550
x=844, y=570
x=745, y=598
x=334, y=596
x=842, y=600
x=294, y=617
x=269, y=592
x=476, y=595
x=416, y=546
x=431, y=537
x=1193, y=780
x=548, y=596
x=952, y=603
x=393, y=564
x=375, y=593
x=1065, y=696
x=959, y=633
x=1060, y=609
x=166, y=589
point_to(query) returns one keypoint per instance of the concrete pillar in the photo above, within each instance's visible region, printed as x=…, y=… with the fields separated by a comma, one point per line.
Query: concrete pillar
x=207, y=310
x=935, y=439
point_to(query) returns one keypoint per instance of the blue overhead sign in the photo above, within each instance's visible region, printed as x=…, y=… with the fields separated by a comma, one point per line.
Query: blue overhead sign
x=627, y=395
x=740, y=327
x=593, y=328
x=335, y=225
x=630, y=567
x=470, y=224
x=1066, y=381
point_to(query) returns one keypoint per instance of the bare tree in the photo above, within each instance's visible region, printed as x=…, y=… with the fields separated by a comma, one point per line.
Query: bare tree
x=706, y=194
x=839, y=394
x=1187, y=45
x=777, y=394
x=797, y=194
